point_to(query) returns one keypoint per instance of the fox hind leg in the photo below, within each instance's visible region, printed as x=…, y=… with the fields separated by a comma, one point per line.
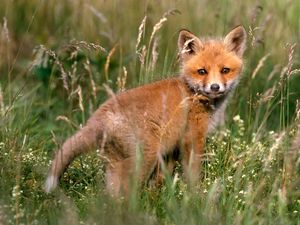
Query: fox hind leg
x=117, y=175
x=123, y=174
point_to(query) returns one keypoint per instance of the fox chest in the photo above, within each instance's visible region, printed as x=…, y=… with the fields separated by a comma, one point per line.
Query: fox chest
x=199, y=116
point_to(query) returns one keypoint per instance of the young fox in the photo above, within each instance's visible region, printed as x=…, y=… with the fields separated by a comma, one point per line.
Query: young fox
x=158, y=118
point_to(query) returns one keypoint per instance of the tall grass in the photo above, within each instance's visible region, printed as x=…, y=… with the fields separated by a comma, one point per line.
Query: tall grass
x=60, y=59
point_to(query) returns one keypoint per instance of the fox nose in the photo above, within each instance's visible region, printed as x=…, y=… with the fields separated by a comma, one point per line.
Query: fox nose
x=215, y=87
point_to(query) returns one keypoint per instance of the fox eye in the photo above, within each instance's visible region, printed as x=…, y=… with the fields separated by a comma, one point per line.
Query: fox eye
x=225, y=70
x=202, y=71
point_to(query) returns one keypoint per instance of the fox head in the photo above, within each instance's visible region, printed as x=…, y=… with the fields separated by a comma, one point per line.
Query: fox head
x=212, y=67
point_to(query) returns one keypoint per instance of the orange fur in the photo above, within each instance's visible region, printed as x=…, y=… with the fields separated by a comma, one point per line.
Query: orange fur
x=158, y=118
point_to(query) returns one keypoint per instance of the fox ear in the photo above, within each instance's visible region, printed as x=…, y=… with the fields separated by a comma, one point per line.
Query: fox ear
x=235, y=40
x=188, y=44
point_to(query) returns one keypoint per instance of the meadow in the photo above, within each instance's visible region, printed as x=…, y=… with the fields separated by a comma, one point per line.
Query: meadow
x=59, y=60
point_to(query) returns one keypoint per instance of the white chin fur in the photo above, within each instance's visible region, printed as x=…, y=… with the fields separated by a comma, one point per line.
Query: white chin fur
x=50, y=184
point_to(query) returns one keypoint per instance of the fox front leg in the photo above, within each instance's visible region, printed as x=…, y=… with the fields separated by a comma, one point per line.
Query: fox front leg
x=192, y=150
x=192, y=146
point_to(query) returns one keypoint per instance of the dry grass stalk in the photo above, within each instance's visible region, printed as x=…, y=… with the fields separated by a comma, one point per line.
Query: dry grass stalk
x=5, y=44
x=142, y=55
x=161, y=22
x=121, y=80
x=74, y=52
x=5, y=30
x=274, y=71
x=63, y=118
x=97, y=13
x=295, y=71
x=291, y=59
x=283, y=73
x=277, y=142
x=89, y=46
x=297, y=110
x=252, y=35
x=154, y=54
x=267, y=95
x=67, y=120
x=87, y=67
x=140, y=34
x=59, y=64
x=259, y=65
x=157, y=27
x=287, y=71
x=106, y=66
x=257, y=32
x=74, y=46
x=109, y=91
x=80, y=100
x=72, y=74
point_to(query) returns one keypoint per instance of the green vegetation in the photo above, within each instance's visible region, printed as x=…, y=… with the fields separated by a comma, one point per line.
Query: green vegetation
x=55, y=57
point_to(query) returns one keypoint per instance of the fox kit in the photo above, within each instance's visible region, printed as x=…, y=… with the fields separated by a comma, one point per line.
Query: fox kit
x=158, y=118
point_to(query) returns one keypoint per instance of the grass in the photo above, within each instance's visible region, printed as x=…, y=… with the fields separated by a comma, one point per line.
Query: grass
x=55, y=57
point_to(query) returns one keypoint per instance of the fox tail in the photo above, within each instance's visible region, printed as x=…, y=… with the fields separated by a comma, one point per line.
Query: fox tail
x=83, y=141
